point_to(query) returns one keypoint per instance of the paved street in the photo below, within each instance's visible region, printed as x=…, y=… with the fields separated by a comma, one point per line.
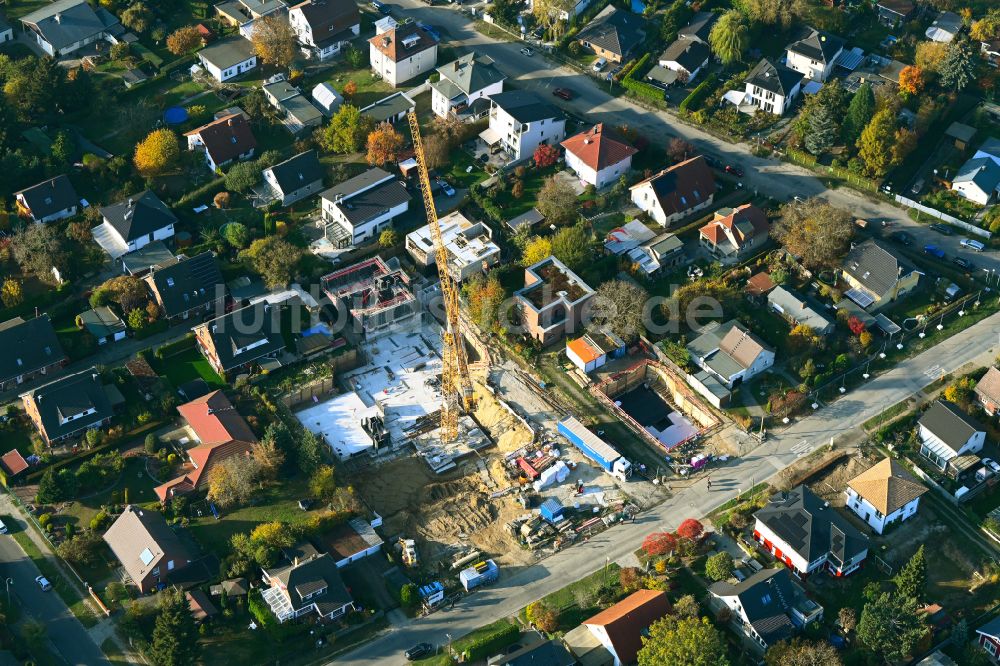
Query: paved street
x=69, y=640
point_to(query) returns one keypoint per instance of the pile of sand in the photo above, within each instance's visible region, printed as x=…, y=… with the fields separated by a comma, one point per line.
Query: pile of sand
x=505, y=429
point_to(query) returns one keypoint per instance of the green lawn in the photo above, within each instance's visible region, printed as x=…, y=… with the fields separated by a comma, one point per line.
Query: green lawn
x=770, y=326
x=463, y=643
x=133, y=481
x=187, y=366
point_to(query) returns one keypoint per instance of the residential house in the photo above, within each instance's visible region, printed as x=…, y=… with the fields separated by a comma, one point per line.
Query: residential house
x=297, y=113
x=32, y=350
x=797, y=310
x=593, y=350
x=236, y=341
x=663, y=252
x=402, y=53
x=324, y=27
x=978, y=180
x=988, y=638
x=6, y=31
x=307, y=585
x=990, y=52
x=351, y=541
x=48, y=201
x=814, y=54
x=769, y=605
x=988, y=391
x=200, y=605
x=103, y=324
x=734, y=232
x=146, y=547
x=699, y=27
x=760, y=284
x=464, y=87
x=294, y=179
x=961, y=134
x=676, y=192
x=772, y=87
x=520, y=121
x=243, y=14
x=69, y=406
x=134, y=223
x=391, y=109
x=598, y=157
x=360, y=208
x=621, y=627
x=326, y=98
x=550, y=653
x=895, y=12
x=228, y=58
x=809, y=535
x=945, y=28
x=222, y=434
x=145, y=259
x=883, y=494
x=685, y=58
x=731, y=352
x=223, y=140
x=188, y=287
x=65, y=26
x=990, y=149
x=947, y=432
x=552, y=301
x=614, y=34
x=877, y=275
x=470, y=247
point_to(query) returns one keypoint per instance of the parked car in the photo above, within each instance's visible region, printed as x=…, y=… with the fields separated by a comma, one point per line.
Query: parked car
x=713, y=162
x=963, y=263
x=43, y=583
x=417, y=651
x=734, y=170
x=430, y=30
x=973, y=244
x=992, y=464
x=917, y=186
x=902, y=238
x=942, y=229
x=563, y=93
x=527, y=52
x=599, y=64
x=934, y=251
x=448, y=190
x=3, y=528
x=380, y=7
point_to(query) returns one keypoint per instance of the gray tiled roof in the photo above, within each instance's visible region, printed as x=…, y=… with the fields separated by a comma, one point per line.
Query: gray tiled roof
x=815, y=45
x=50, y=196
x=28, y=346
x=774, y=77
x=470, y=73
x=526, y=107
x=360, y=182
x=68, y=396
x=810, y=527
x=699, y=26
x=950, y=424
x=687, y=53
x=138, y=215
x=311, y=575
x=228, y=52
x=614, y=30
x=243, y=327
x=188, y=283
x=766, y=598
x=374, y=202
x=876, y=266
x=66, y=22
x=297, y=172
x=136, y=530
x=983, y=171
x=388, y=107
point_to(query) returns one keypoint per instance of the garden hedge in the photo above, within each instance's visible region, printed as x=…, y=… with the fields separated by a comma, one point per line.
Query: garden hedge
x=694, y=101
x=488, y=644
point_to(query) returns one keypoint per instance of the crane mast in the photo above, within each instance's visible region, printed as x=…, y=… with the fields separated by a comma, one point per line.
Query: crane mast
x=456, y=384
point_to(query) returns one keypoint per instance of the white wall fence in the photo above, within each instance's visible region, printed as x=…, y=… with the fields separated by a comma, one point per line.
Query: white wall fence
x=971, y=228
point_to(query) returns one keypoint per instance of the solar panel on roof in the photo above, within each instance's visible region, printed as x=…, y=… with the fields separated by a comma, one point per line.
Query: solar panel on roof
x=862, y=298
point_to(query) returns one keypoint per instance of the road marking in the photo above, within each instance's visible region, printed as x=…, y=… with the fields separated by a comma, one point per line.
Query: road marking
x=935, y=371
x=802, y=448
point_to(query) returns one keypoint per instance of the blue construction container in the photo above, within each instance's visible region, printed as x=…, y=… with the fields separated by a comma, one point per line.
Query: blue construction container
x=551, y=510
x=595, y=448
x=479, y=574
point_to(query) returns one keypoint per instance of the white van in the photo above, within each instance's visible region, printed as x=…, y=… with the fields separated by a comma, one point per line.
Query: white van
x=973, y=244
x=599, y=64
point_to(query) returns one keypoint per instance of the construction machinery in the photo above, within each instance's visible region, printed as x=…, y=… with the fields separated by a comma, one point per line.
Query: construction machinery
x=456, y=384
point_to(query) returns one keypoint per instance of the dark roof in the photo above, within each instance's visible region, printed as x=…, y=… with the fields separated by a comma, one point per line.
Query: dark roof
x=614, y=30
x=373, y=202
x=682, y=186
x=388, y=108
x=876, y=266
x=901, y=7
x=546, y=653
x=68, y=397
x=297, y=172
x=526, y=107
x=4, y=24
x=699, y=26
x=66, y=22
x=950, y=424
x=228, y=52
x=687, y=53
x=244, y=327
x=470, y=73
x=329, y=18
x=810, y=527
x=227, y=138
x=138, y=216
x=352, y=186
x=982, y=171
x=774, y=77
x=314, y=574
x=815, y=45
x=991, y=628
x=766, y=598
x=188, y=283
x=50, y=196
x=29, y=346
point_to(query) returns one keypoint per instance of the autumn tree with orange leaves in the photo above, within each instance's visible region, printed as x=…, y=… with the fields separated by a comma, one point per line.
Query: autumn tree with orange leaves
x=384, y=144
x=911, y=80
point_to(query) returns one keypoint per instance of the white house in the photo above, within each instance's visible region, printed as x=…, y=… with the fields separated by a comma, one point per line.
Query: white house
x=593, y=350
x=134, y=223
x=771, y=87
x=324, y=27
x=814, y=54
x=228, y=58
x=946, y=432
x=402, y=53
x=945, y=28
x=520, y=121
x=883, y=494
x=978, y=180
x=686, y=57
x=65, y=26
x=48, y=201
x=464, y=87
x=224, y=140
x=6, y=31
x=806, y=533
x=676, y=192
x=326, y=98
x=469, y=244
x=297, y=113
x=731, y=352
x=620, y=628
x=598, y=157
x=308, y=584
x=294, y=179
x=360, y=208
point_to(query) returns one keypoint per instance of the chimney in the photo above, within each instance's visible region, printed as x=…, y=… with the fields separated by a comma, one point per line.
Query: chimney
x=231, y=122
x=58, y=18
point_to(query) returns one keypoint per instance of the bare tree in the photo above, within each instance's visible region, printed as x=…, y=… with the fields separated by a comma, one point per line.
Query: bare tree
x=815, y=231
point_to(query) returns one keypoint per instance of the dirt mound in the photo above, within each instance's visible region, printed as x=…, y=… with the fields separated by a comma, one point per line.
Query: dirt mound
x=505, y=429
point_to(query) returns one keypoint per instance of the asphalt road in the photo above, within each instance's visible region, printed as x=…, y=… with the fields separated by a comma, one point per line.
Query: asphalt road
x=69, y=640
x=593, y=102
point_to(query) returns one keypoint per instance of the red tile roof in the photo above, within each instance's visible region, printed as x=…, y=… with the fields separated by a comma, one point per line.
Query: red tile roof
x=625, y=621
x=13, y=462
x=760, y=284
x=214, y=419
x=403, y=42
x=227, y=138
x=715, y=230
x=204, y=459
x=597, y=148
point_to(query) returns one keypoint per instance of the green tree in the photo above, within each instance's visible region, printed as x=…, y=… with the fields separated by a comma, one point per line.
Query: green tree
x=388, y=238
x=911, y=581
x=557, y=202
x=876, y=142
x=64, y=147
x=822, y=133
x=137, y=17
x=274, y=259
x=571, y=245
x=891, y=625
x=137, y=319
x=688, y=641
x=408, y=596
x=729, y=37
x=37, y=248
x=323, y=483
x=958, y=68
x=859, y=112
x=242, y=176
x=175, y=634
x=347, y=131
x=719, y=566
x=237, y=235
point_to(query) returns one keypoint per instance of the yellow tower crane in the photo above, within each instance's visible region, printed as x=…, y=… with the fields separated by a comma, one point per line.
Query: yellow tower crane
x=456, y=384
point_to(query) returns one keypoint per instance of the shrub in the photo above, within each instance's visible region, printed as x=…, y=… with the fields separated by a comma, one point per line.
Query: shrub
x=694, y=100
x=45, y=519
x=488, y=644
